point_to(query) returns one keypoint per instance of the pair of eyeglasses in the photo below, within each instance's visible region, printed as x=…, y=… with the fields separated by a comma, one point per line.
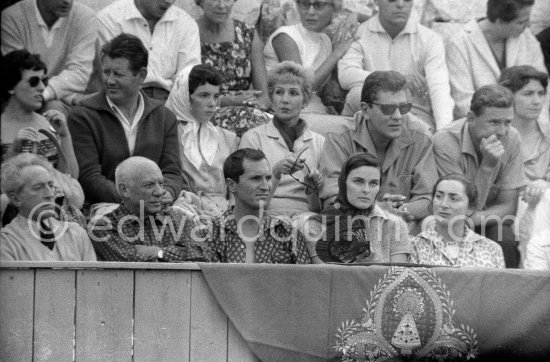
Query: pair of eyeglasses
x=317, y=5
x=34, y=81
x=312, y=187
x=389, y=109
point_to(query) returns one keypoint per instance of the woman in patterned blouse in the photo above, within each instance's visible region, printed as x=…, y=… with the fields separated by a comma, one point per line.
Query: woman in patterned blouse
x=236, y=50
x=446, y=238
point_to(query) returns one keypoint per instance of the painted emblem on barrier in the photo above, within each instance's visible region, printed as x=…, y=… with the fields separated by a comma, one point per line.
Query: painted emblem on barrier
x=408, y=316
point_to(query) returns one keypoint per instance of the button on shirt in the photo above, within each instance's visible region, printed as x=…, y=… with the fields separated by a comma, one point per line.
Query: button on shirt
x=173, y=45
x=130, y=128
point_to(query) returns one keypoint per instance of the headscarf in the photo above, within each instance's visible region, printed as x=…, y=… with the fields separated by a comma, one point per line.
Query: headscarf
x=189, y=128
x=343, y=242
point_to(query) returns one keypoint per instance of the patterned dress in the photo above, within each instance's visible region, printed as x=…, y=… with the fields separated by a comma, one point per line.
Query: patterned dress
x=232, y=59
x=474, y=251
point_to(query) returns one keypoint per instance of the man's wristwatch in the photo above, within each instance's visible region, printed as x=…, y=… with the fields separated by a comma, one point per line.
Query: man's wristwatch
x=160, y=254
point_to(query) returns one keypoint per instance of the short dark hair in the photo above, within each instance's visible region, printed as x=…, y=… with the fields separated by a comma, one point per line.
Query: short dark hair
x=516, y=77
x=355, y=161
x=201, y=74
x=233, y=165
x=506, y=10
x=470, y=189
x=387, y=81
x=13, y=65
x=492, y=95
x=127, y=46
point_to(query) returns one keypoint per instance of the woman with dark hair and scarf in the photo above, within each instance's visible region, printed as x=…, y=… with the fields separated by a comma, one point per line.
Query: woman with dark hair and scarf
x=355, y=228
x=293, y=151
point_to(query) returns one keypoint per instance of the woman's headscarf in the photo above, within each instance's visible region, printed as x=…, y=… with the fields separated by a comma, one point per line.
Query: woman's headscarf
x=343, y=242
x=189, y=128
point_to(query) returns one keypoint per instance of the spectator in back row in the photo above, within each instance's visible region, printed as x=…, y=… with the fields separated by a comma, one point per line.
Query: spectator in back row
x=63, y=34
x=392, y=40
x=168, y=32
x=477, y=55
x=487, y=150
x=120, y=122
x=140, y=229
x=401, y=144
x=35, y=234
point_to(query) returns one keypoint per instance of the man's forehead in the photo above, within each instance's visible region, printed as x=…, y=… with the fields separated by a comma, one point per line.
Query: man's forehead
x=497, y=113
x=260, y=167
x=399, y=96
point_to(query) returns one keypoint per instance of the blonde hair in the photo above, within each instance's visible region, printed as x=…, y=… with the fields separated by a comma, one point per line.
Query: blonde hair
x=290, y=72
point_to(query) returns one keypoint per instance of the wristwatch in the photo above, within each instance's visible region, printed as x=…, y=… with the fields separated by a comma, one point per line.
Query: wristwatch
x=160, y=254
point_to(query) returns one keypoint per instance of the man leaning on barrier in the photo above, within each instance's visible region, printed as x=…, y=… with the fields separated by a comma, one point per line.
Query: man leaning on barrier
x=486, y=149
x=142, y=228
x=36, y=234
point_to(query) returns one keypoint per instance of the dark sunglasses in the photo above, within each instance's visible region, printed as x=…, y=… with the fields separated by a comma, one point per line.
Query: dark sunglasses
x=389, y=109
x=34, y=81
x=317, y=5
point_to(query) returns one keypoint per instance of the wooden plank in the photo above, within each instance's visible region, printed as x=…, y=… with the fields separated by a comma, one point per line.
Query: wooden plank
x=96, y=265
x=16, y=314
x=54, y=315
x=208, y=323
x=104, y=313
x=237, y=349
x=162, y=315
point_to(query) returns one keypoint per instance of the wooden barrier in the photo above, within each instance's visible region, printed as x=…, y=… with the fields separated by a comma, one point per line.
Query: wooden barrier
x=91, y=311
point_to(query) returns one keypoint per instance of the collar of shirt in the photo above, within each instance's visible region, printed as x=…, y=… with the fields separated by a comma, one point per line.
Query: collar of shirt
x=123, y=212
x=46, y=32
x=57, y=228
x=376, y=27
x=466, y=245
x=267, y=224
x=120, y=115
x=132, y=13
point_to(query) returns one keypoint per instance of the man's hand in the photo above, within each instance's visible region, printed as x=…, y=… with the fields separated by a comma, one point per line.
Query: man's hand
x=149, y=251
x=58, y=121
x=534, y=192
x=492, y=150
x=396, y=205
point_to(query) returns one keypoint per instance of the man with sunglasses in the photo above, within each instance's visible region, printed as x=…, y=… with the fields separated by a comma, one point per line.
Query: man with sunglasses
x=402, y=145
x=64, y=34
x=393, y=40
x=486, y=149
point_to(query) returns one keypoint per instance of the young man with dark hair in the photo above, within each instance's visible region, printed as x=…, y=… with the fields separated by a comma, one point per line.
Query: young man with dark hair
x=121, y=122
x=487, y=150
x=401, y=144
x=246, y=233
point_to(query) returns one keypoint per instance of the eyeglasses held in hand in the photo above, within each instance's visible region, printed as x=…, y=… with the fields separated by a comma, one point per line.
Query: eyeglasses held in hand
x=389, y=109
x=34, y=81
x=317, y=5
x=313, y=187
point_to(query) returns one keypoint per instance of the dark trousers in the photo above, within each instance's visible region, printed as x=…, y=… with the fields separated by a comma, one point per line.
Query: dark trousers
x=505, y=237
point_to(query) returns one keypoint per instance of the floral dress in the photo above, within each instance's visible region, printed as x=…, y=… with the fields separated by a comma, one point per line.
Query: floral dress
x=232, y=59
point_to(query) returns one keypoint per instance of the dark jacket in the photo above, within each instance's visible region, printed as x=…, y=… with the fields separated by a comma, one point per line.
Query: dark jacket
x=100, y=145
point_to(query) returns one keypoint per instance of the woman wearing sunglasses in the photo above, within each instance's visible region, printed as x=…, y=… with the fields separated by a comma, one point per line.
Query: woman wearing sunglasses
x=25, y=130
x=293, y=151
x=355, y=229
x=308, y=45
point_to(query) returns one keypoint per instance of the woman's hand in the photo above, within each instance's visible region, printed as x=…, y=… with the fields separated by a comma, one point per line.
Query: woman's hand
x=287, y=166
x=28, y=134
x=534, y=191
x=58, y=122
x=314, y=178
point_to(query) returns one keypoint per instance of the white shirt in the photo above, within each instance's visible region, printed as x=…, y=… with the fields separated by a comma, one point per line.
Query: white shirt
x=173, y=45
x=416, y=50
x=130, y=128
x=538, y=248
x=47, y=33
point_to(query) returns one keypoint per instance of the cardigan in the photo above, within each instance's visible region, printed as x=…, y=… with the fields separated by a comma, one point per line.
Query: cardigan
x=100, y=145
x=69, y=58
